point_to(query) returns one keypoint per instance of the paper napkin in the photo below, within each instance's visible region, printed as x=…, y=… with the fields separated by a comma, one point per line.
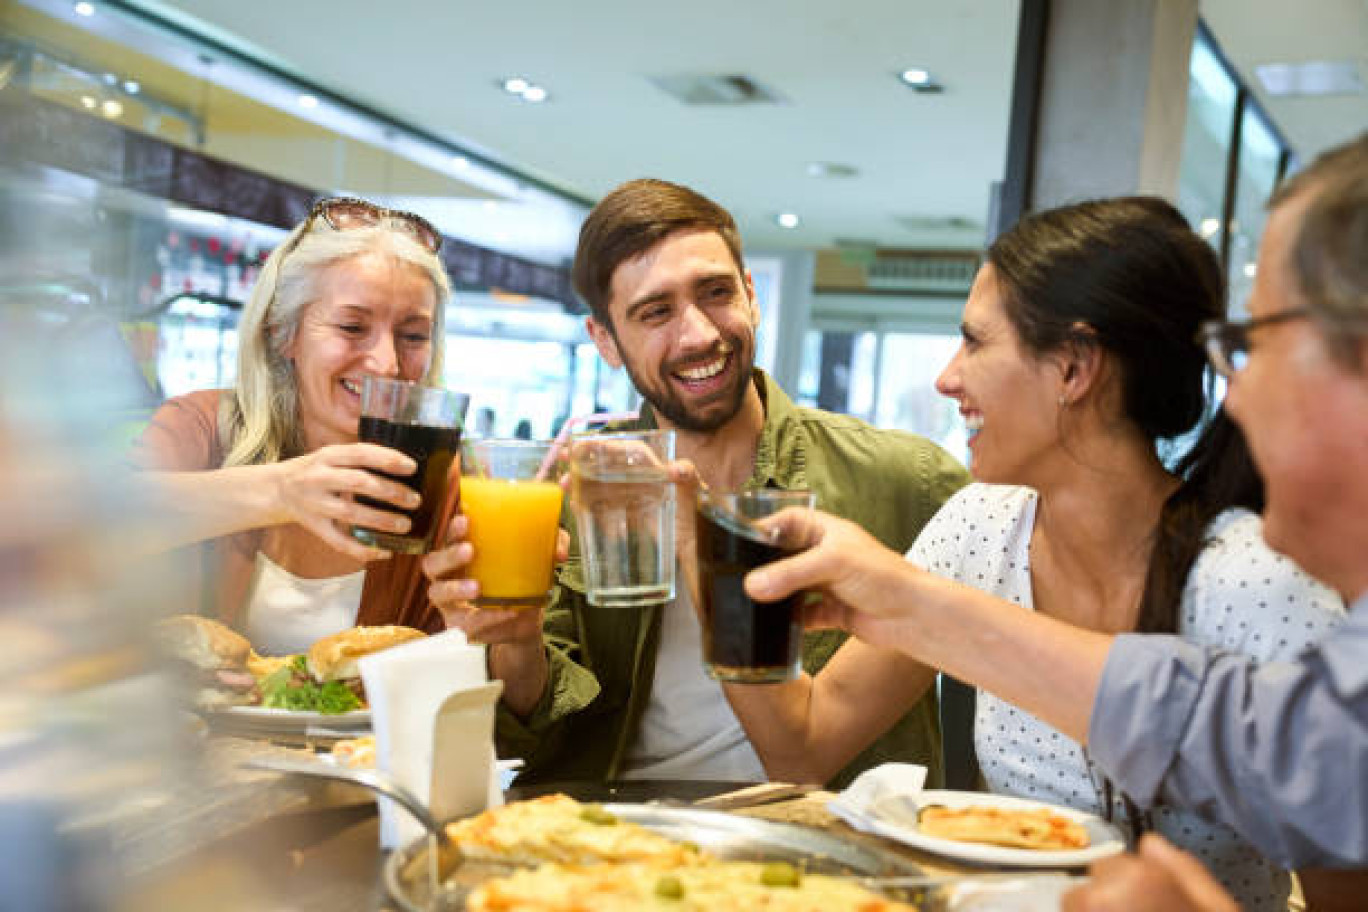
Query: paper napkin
x=432, y=709
x=888, y=792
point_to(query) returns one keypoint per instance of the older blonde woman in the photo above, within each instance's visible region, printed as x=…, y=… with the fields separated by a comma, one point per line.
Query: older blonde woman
x=266, y=475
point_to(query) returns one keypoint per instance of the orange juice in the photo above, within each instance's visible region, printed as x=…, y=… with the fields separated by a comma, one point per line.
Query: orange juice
x=513, y=528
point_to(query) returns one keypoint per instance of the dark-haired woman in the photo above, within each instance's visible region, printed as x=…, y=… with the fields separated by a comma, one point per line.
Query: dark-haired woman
x=1078, y=356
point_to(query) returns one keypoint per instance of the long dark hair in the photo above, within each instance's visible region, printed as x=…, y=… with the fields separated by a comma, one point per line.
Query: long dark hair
x=1130, y=276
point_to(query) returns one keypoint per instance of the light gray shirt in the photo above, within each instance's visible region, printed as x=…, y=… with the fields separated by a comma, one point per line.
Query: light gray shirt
x=1279, y=751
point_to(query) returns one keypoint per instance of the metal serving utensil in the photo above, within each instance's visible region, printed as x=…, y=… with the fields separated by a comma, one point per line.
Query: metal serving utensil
x=367, y=778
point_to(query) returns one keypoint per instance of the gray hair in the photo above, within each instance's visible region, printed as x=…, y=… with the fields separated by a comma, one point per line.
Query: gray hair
x=1329, y=255
x=260, y=422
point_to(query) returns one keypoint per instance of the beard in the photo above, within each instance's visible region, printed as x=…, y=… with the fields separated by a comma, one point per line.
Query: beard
x=712, y=415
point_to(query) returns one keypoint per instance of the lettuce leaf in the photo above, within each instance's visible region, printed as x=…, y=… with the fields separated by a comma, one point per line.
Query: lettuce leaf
x=282, y=690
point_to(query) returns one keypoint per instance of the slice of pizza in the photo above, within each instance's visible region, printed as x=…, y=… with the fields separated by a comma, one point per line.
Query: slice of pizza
x=1018, y=828
x=559, y=828
x=774, y=887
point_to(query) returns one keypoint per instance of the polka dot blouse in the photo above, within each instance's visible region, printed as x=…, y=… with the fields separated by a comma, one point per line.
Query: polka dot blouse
x=1239, y=596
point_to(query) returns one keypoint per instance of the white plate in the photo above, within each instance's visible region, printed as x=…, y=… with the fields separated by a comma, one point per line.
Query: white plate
x=895, y=817
x=292, y=721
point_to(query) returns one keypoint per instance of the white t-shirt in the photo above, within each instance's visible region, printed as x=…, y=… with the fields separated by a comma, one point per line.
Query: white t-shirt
x=287, y=614
x=1239, y=596
x=688, y=730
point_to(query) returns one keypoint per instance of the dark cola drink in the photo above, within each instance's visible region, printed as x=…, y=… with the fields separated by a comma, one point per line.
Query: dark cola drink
x=433, y=449
x=744, y=641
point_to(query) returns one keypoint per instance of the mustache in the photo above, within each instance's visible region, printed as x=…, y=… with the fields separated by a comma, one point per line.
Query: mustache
x=722, y=349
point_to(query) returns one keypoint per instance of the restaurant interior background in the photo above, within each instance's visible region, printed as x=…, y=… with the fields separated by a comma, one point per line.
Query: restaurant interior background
x=859, y=146
x=152, y=154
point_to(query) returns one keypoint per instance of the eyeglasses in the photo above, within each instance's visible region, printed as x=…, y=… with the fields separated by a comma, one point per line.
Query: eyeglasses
x=1227, y=343
x=346, y=213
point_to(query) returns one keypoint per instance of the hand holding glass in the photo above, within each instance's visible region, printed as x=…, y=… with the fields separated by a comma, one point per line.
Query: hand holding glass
x=625, y=512
x=745, y=641
x=513, y=511
x=423, y=423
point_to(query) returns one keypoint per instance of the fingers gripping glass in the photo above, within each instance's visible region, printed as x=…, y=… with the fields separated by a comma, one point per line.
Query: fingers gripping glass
x=1227, y=343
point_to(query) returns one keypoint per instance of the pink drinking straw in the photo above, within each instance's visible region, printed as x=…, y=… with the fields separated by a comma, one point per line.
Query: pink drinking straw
x=569, y=427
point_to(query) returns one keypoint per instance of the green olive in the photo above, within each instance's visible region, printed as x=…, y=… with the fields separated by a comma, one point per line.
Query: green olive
x=596, y=815
x=669, y=887
x=780, y=874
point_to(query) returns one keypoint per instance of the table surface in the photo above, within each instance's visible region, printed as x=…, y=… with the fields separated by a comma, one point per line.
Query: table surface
x=314, y=845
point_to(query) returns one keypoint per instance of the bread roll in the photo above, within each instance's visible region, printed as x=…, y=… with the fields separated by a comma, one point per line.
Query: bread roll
x=334, y=658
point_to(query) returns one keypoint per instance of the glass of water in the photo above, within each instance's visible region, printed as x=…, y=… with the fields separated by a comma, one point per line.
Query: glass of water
x=624, y=508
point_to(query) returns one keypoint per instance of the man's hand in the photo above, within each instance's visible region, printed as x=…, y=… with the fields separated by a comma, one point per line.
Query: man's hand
x=517, y=655
x=863, y=585
x=1158, y=877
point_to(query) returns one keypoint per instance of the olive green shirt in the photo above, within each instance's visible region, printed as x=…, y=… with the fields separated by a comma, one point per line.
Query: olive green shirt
x=602, y=660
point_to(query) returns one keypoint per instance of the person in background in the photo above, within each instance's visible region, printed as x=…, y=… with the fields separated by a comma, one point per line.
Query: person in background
x=1079, y=354
x=606, y=693
x=484, y=422
x=1280, y=751
x=264, y=476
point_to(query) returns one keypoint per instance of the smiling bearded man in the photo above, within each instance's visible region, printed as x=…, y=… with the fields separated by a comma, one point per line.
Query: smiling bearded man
x=609, y=693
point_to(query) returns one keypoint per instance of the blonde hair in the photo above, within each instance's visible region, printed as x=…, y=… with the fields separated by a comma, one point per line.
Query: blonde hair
x=259, y=423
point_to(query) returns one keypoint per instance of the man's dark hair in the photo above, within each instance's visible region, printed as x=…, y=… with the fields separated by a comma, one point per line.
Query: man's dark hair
x=631, y=220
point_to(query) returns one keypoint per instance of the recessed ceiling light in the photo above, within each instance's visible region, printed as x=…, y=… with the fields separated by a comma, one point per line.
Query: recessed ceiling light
x=534, y=94
x=131, y=86
x=88, y=102
x=515, y=85
x=1209, y=227
x=831, y=169
x=84, y=9
x=1251, y=270
x=787, y=220
x=920, y=80
x=111, y=108
x=308, y=101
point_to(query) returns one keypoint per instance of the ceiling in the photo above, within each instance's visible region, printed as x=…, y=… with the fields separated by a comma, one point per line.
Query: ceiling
x=920, y=157
x=925, y=162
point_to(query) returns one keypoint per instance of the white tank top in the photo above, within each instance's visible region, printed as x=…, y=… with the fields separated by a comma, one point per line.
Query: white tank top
x=286, y=614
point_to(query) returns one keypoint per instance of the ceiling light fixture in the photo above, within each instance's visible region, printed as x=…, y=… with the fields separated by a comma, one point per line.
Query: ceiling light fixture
x=88, y=102
x=920, y=80
x=1209, y=227
x=111, y=109
x=831, y=169
x=84, y=9
x=131, y=86
x=786, y=220
x=525, y=89
x=308, y=101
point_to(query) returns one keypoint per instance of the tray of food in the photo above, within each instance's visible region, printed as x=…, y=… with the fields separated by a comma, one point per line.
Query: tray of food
x=553, y=852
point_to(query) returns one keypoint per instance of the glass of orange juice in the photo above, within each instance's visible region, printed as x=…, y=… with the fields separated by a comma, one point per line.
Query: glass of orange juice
x=511, y=496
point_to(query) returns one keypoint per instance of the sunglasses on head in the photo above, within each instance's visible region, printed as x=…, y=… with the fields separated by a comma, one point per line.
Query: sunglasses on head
x=346, y=213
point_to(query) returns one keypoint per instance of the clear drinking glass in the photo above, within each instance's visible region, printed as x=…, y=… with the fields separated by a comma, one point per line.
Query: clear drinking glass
x=624, y=509
x=745, y=641
x=513, y=507
x=424, y=423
